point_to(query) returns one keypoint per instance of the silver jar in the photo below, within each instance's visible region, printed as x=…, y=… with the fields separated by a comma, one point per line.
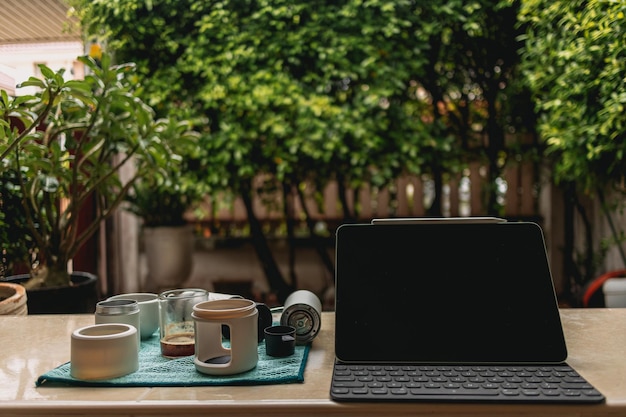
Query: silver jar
x=119, y=311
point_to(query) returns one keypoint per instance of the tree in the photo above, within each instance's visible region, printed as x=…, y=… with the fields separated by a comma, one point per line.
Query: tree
x=573, y=61
x=310, y=94
x=476, y=96
x=290, y=91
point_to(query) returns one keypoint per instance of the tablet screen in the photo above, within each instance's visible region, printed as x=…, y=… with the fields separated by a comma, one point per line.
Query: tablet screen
x=479, y=293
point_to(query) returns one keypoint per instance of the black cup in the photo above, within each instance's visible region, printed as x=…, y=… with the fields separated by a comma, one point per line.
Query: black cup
x=280, y=340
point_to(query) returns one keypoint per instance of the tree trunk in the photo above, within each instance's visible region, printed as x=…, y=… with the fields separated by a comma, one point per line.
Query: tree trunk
x=49, y=276
x=569, y=267
x=495, y=147
x=264, y=254
x=609, y=218
x=318, y=242
x=574, y=279
x=288, y=211
x=436, y=208
x=348, y=215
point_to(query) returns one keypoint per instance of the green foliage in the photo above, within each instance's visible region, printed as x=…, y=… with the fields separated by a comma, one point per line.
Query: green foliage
x=17, y=243
x=161, y=202
x=163, y=198
x=302, y=93
x=65, y=144
x=359, y=91
x=574, y=61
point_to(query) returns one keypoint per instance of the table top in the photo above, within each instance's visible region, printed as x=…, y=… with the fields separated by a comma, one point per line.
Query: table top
x=33, y=345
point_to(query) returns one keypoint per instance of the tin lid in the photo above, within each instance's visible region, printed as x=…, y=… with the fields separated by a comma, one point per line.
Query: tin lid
x=115, y=307
x=183, y=293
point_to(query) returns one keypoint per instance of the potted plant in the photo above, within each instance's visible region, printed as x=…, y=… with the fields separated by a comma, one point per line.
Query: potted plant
x=162, y=201
x=14, y=253
x=66, y=144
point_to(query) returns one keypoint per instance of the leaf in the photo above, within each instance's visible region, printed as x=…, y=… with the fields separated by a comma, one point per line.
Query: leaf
x=32, y=82
x=46, y=71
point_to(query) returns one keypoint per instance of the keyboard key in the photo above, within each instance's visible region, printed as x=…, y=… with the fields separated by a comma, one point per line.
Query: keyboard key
x=379, y=391
x=399, y=391
x=591, y=392
x=340, y=390
x=360, y=391
x=348, y=384
x=460, y=391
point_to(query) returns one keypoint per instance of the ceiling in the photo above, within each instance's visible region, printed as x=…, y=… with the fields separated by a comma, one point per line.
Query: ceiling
x=33, y=21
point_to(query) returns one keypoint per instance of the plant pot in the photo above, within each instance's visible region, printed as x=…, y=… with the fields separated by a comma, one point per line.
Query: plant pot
x=593, y=294
x=79, y=298
x=12, y=299
x=169, y=255
x=614, y=290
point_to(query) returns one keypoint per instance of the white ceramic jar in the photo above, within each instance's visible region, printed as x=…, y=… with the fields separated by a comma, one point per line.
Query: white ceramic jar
x=148, y=311
x=211, y=356
x=104, y=351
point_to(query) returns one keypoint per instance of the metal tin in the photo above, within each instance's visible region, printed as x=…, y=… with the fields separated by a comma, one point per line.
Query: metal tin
x=119, y=311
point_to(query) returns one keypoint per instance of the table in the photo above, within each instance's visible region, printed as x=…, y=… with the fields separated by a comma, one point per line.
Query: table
x=32, y=345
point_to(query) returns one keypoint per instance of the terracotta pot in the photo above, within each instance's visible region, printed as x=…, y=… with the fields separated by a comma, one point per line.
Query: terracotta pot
x=12, y=300
x=79, y=298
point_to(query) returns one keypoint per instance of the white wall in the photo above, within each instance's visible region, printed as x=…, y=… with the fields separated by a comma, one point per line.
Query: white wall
x=20, y=60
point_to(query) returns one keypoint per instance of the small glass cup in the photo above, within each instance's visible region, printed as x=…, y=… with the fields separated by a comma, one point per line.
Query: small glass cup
x=175, y=322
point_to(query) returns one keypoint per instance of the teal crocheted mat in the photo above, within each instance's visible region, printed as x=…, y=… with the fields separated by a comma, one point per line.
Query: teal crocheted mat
x=157, y=371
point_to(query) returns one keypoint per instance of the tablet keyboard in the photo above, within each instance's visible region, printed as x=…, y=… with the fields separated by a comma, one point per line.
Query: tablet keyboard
x=557, y=383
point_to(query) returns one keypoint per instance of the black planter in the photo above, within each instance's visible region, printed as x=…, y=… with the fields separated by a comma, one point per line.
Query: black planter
x=79, y=298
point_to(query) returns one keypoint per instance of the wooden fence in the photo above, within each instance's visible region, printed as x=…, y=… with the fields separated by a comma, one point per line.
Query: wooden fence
x=408, y=196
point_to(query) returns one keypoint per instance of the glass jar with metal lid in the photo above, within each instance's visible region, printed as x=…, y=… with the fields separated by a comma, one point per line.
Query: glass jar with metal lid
x=119, y=311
